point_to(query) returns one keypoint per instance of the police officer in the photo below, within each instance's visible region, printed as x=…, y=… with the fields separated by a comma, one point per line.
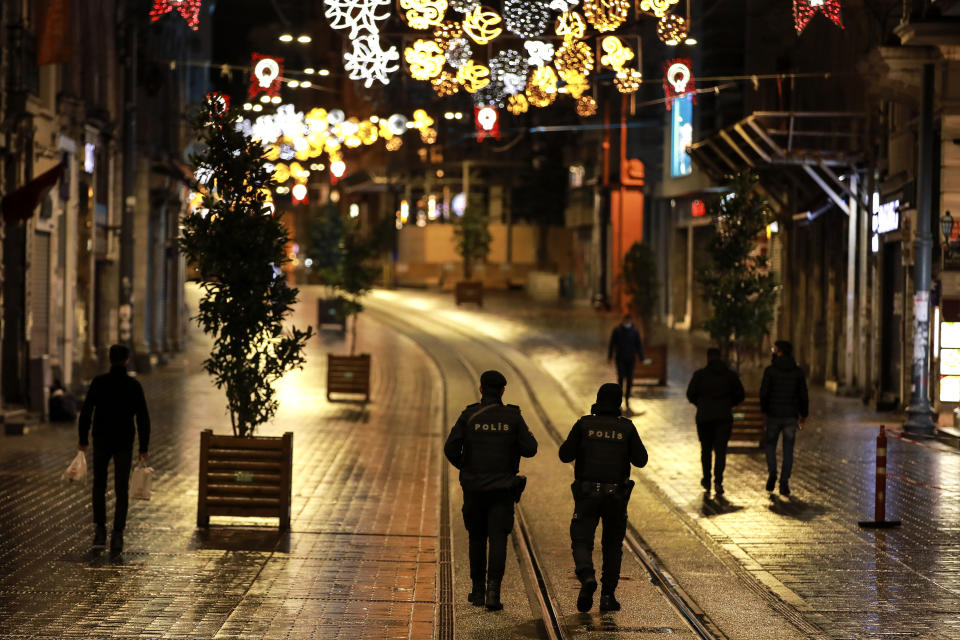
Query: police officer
x=485, y=445
x=604, y=445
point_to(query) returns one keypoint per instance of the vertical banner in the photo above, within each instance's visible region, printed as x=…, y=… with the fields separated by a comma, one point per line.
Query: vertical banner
x=54, y=35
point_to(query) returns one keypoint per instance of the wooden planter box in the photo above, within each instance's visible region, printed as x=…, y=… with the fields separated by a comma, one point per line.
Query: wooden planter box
x=329, y=312
x=349, y=374
x=468, y=291
x=656, y=371
x=749, y=423
x=245, y=477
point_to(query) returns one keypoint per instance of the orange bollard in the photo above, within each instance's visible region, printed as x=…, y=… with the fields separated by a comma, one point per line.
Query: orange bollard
x=880, y=495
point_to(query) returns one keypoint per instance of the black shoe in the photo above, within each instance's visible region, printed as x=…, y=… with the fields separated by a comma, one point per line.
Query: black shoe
x=492, y=597
x=784, y=490
x=100, y=537
x=705, y=483
x=585, y=600
x=116, y=541
x=608, y=602
x=771, y=481
x=477, y=595
x=718, y=489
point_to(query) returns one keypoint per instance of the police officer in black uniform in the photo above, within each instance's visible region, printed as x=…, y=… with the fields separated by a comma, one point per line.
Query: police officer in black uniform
x=604, y=445
x=485, y=445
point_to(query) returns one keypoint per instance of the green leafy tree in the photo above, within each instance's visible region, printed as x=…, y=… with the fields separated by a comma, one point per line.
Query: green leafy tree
x=238, y=242
x=736, y=281
x=473, y=238
x=640, y=279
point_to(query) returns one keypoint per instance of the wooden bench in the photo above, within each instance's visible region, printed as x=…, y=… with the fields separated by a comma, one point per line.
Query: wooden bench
x=468, y=291
x=656, y=371
x=749, y=423
x=245, y=477
x=330, y=312
x=348, y=374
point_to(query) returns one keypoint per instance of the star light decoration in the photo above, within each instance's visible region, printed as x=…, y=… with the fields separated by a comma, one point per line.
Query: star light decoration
x=657, y=7
x=672, y=30
x=804, y=10
x=189, y=10
x=423, y=14
x=526, y=18
x=368, y=61
x=606, y=15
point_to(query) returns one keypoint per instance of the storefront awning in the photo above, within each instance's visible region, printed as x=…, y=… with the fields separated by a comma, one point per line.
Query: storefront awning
x=20, y=204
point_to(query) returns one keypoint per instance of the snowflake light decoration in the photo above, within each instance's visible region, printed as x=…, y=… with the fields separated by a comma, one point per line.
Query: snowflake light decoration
x=424, y=59
x=804, y=10
x=570, y=24
x=369, y=62
x=509, y=69
x=473, y=76
x=657, y=7
x=423, y=14
x=539, y=52
x=574, y=56
x=518, y=104
x=458, y=52
x=526, y=18
x=481, y=24
x=606, y=15
x=586, y=106
x=189, y=10
x=672, y=30
x=356, y=15
x=542, y=87
x=445, y=84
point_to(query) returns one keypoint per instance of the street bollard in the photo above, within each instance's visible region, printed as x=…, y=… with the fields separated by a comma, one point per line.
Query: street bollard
x=880, y=496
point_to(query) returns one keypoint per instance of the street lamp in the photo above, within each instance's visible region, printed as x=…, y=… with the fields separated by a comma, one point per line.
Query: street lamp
x=946, y=227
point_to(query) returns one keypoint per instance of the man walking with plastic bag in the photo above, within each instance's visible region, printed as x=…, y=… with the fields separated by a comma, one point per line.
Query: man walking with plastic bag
x=113, y=402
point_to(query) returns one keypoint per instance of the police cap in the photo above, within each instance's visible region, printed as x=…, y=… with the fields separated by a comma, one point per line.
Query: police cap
x=492, y=380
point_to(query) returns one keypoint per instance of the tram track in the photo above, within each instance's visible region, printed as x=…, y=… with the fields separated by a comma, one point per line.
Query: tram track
x=553, y=626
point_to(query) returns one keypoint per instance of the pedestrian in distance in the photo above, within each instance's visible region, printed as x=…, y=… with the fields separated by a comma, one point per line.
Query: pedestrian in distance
x=486, y=445
x=784, y=400
x=715, y=390
x=602, y=446
x=113, y=402
x=625, y=346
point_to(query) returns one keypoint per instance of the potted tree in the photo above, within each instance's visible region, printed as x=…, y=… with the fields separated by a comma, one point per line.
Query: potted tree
x=326, y=229
x=640, y=281
x=236, y=240
x=473, y=244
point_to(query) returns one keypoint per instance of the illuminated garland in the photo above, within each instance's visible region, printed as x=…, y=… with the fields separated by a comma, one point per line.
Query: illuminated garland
x=672, y=29
x=804, y=10
x=606, y=15
x=657, y=7
x=574, y=56
x=526, y=18
x=423, y=14
x=189, y=10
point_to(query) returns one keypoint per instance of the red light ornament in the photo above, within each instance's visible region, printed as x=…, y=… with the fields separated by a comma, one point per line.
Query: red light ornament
x=677, y=79
x=487, y=121
x=189, y=10
x=804, y=10
x=266, y=75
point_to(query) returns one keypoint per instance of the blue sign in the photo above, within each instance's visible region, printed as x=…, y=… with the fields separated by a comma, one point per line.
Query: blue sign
x=681, y=136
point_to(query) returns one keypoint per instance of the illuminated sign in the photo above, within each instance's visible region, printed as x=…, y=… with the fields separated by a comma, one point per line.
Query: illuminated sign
x=886, y=216
x=681, y=136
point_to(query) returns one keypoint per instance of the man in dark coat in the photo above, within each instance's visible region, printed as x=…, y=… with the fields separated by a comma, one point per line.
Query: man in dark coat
x=625, y=346
x=715, y=390
x=604, y=445
x=486, y=444
x=784, y=400
x=113, y=401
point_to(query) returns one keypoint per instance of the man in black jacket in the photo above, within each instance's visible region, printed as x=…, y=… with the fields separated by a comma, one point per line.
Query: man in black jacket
x=783, y=398
x=715, y=390
x=486, y=444
x=113, y=401
x=604, y=445
x=626, y=346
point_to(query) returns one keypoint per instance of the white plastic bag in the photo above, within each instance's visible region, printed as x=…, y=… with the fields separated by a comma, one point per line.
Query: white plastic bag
x=77, y=471
x=141, y=483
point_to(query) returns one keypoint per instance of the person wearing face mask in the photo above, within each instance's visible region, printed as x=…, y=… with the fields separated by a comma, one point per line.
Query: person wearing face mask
x=784, y=400
x=626, y=346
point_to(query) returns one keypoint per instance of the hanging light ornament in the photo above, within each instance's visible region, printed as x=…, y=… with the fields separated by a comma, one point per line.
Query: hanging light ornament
x=526, y=18
x=482, y=24
x=518, y=104
x=570, y=24
x=616, y=54
x=540, y=53
x=672, y=30
x=628, y=80
x=657, y=7
x=804, y=10
x=464, y=6
x=510, y=70
x=189, y=10
x=576, y=83
x=458, y=52
x=424, y=59
x=394, y=143
x=586, y=106
x=493, y=94
x=473, y=76
x=606, y=15
x=423, y=14
x=542, y=87
x=445, y=32
x=445, y=84
x=574, y=56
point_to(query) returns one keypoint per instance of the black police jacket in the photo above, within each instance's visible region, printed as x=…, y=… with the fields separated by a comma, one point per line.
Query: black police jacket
x=604, y=447
x=625, y=343
x=486, y=444
x=113, y=401
x=783, y=392
x=715, y=389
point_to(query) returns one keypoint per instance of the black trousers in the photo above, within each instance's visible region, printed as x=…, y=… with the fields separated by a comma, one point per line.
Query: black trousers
x=589, y=510
x=625, y=376
x=714, y=436
x=122, y=460
x=488, y=517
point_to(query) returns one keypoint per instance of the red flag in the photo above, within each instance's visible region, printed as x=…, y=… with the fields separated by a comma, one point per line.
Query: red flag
x=54, y=37
x=20, y=203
